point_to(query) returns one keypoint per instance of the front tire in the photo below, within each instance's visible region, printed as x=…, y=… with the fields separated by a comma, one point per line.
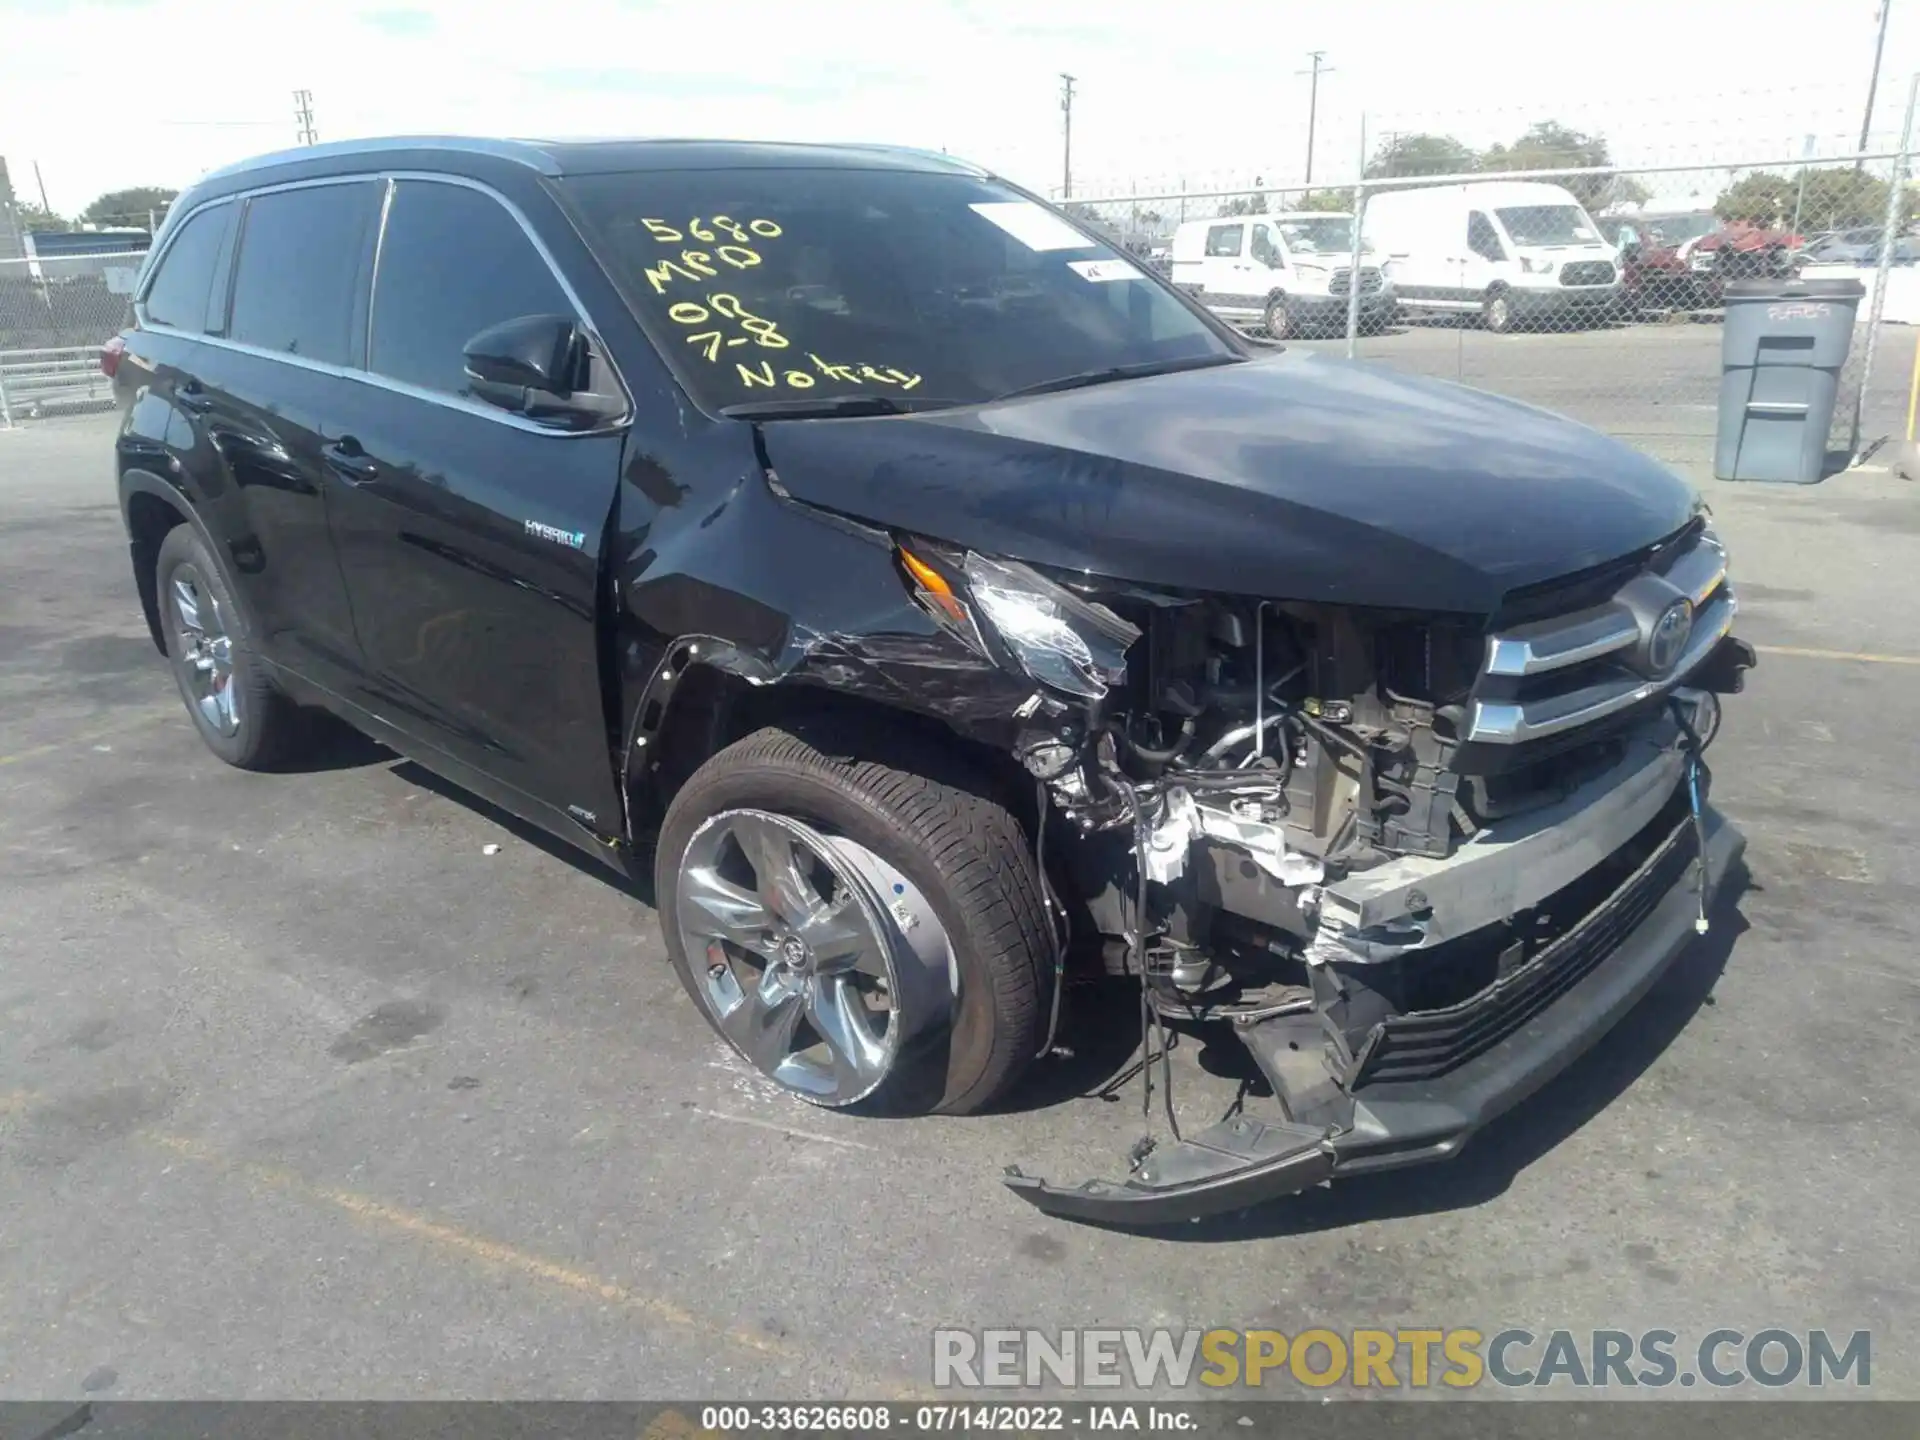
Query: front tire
x=1278, y=322
x=1496, y=312
x=858, y=917
x=241, y=715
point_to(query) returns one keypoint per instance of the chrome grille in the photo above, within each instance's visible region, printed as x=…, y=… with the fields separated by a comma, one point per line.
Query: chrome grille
x=1342, y=279
x=1586, y=272
x=1557, y=674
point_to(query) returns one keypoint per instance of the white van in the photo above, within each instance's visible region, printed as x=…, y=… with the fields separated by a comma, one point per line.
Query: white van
x=1514, y=251
x=1288, y=272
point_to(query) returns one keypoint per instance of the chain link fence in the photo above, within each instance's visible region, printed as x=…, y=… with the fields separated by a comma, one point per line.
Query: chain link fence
x=55, y=312
x=1593, y=291
x=1538, y=269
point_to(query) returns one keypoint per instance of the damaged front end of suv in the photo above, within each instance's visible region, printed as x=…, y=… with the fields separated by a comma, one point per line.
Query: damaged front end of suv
x=1369, y=716
x=1376, y=845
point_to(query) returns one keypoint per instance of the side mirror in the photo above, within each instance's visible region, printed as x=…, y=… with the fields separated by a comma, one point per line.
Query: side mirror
x=532, y=352
x=540, y=366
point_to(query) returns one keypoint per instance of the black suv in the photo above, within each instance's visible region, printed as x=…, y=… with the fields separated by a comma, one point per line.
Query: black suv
x=945, y=606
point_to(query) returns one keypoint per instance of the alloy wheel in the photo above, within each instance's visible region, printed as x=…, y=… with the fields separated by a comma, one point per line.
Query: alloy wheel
x=812, y=956
x=204, y=650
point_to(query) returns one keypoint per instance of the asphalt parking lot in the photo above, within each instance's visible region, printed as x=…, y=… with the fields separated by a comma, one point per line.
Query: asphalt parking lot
x=304, y=1094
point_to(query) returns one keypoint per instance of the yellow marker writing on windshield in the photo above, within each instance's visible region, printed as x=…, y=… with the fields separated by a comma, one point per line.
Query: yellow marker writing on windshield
x=712, y=230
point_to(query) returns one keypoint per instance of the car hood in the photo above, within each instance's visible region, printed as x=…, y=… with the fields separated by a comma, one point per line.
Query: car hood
x=1294, y=476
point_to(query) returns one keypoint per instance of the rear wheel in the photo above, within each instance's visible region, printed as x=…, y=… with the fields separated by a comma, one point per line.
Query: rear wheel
x=858, y=919
x=242, y=717
x=1496, y=312
x=1278, y=322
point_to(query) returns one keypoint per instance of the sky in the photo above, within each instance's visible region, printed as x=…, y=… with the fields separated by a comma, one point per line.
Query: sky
x=103, y=94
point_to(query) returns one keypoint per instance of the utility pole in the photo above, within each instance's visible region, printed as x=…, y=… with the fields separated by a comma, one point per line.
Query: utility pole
x=303, y=115
x=1313, y=102
x=1066, y=158
x=1873, y=80
x=37, y=180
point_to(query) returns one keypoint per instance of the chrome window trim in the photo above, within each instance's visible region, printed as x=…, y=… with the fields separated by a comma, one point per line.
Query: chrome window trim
x=398, y=387
x=386, y=382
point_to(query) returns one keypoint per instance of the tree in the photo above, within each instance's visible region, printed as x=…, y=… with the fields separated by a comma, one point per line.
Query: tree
x=1836, y=198
x=129, y=207
x=1549, y=145
x=1339, y=201
x=1624, y=191
x=1420, y=154
x=36, y=218
x=1245, y=205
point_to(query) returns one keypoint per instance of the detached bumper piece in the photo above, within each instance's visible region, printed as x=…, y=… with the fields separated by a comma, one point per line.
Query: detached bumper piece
x=1425, y=1081
x=1228, y=1166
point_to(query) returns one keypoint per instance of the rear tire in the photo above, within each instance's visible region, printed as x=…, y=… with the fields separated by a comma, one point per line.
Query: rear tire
x=948, y=849
x=235, y=706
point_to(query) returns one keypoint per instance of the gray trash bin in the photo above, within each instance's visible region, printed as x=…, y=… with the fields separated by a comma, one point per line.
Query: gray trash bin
x=1780, y=359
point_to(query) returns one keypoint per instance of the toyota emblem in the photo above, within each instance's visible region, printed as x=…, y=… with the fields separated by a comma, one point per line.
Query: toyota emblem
x=1668, y=640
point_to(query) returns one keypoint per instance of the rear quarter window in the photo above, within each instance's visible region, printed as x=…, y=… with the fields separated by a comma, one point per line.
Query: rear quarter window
x=299, y=280
x=182, y=283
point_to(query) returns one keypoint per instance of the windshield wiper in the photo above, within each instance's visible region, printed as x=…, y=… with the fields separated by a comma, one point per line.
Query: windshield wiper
x=827, y=406
x=1122, y=372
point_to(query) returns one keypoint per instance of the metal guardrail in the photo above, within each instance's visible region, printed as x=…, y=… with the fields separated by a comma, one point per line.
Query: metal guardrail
x=40, y=382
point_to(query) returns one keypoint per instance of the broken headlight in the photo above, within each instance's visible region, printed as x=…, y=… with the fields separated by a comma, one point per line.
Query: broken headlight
x=1064, y=642
x=1058, y=638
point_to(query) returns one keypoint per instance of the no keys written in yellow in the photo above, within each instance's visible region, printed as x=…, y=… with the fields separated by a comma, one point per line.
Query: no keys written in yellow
x=718, y=323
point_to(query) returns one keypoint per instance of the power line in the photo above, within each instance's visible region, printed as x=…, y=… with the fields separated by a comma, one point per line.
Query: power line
x=1066, y=158
x=303, y=114
x=1313, y=101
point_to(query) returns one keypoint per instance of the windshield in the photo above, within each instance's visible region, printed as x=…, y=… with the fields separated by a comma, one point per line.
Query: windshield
x=1547, y=225
x=815, y=283
x=1320, y=235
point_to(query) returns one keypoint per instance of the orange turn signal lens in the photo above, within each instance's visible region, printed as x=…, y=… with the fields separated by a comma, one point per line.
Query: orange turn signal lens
x=934, y=586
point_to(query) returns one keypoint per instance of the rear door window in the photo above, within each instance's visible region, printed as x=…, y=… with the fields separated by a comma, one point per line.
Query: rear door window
x=453, y=262
x=1225, y=240
x=299, y=285
x=178, y=294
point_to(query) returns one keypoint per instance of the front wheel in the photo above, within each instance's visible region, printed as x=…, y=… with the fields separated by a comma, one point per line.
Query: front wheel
x=1278, y=322
x=858, y=918
x=1496, y=312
